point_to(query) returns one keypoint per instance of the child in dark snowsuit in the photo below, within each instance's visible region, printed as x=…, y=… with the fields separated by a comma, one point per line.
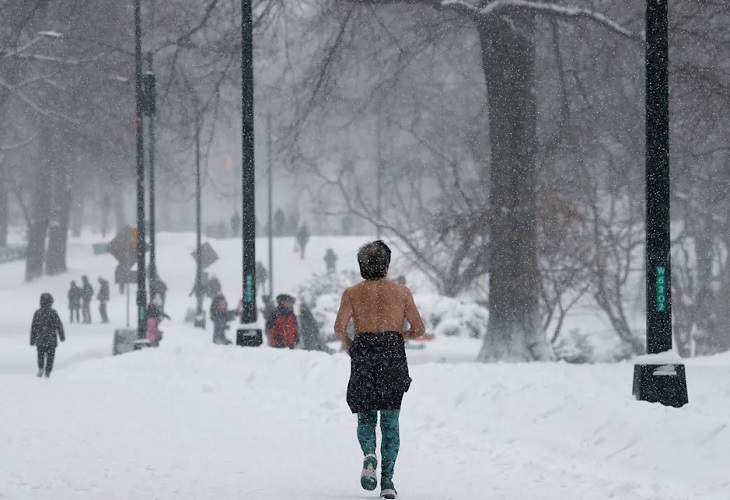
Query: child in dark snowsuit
x=44, y=333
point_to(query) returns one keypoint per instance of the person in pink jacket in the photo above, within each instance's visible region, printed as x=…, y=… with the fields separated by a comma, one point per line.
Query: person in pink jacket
x=154, y=317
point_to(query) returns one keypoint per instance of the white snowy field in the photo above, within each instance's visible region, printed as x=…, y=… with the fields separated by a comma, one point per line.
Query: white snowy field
x=191, y=420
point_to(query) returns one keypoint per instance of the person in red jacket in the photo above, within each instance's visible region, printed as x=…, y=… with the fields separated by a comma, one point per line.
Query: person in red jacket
x=282, y=327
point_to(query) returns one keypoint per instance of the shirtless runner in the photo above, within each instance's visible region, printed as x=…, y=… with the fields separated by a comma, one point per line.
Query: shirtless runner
x=379, y=369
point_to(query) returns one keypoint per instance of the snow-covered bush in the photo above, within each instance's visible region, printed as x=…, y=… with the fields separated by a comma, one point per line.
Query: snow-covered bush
x=580, y=346
x=443, y=316
x=452, y=317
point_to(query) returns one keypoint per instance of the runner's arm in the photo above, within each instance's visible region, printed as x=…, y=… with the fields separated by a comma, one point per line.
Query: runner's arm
x=343, y=318
x=418, y=328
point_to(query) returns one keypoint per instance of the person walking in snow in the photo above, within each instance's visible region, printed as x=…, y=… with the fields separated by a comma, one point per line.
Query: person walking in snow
x=45, y=331
x=303, y=238
x=155, y=313
x=158, y=287
x=330, y=259
x=220, y=316
x=379, y=374
x=311, y=339
x=282, y=328
x=103, y=298
x=74, y=302
x=120, y=277
x=261, y=276
x=87, y=293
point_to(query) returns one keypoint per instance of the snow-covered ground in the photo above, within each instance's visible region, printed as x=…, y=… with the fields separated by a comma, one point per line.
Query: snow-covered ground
x=195, y=421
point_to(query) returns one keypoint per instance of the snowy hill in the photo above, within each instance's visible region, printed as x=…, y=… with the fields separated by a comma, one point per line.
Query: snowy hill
x=196, y=421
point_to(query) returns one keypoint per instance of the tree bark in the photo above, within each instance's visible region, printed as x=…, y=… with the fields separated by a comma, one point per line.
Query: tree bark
x=60, y=218
x=514, y=331
x=4, y=209
x=41, y=204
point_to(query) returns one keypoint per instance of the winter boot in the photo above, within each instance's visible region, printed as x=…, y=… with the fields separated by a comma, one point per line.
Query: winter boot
x=368, y=476
x=387, y=489
x=40, y=373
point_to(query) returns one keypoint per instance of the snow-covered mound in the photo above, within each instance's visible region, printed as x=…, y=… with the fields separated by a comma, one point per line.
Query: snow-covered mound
x=193, y=420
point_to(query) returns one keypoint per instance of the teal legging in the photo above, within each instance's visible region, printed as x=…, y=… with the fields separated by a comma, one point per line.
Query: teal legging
x=366, y=422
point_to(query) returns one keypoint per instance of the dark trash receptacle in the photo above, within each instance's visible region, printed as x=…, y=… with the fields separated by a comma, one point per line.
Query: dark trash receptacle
x=249, y=337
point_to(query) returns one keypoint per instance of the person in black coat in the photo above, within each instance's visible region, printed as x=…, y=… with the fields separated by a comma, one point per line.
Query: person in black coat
x=45, y=331
x=220, y=316
x=311, y=339
x=158, y=287
x=303, y=238
x=87, y=293
x=74, y=302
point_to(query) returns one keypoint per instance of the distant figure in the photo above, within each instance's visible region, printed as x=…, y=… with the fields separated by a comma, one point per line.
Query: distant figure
x=268, y=311
x=401, y=280
x=202, y=286
x=87, y=293
x=155, y=313
x=120, y=277
x=330, y=258
x=303, y=238
x=311, y=340
x=45, y=331
x=103, y=298
x=158, y=287
x=283, y=331
x=378, y=368
x=220, y=316
x=213, y=287
x=261, y=276
x=236, y=224
x=74, y=302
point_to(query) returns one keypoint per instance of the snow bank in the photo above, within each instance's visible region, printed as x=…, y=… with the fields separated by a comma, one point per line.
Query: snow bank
x=193, y=420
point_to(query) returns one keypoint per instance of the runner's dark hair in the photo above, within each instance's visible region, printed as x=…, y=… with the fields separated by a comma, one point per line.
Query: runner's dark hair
x=374, y=259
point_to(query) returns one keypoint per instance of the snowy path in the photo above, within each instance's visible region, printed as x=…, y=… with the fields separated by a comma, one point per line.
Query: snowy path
x=199, y=421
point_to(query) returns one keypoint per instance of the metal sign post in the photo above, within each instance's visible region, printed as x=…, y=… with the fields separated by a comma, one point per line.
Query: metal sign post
x=249, y=333
x=660, y=376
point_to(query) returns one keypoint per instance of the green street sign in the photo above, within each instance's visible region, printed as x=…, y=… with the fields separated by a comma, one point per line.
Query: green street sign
x=100, y=248
x=661, y=289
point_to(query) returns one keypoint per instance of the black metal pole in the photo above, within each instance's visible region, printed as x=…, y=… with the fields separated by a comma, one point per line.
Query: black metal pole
x=198, y=218
x=248, y=205
x=379, y=168
x=658, y=268
x=138, y=123
x=658, y=379
x=151, y=126
x=270, y=159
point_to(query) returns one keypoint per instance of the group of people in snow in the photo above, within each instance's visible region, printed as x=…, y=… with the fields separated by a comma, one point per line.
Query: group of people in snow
x=79, y=300
x=283, y=328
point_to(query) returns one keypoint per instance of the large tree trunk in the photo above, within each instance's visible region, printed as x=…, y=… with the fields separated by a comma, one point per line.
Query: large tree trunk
x=41, y=211
x=4, y=209
x=60, y=216
x=77, y=206
x=514, y=332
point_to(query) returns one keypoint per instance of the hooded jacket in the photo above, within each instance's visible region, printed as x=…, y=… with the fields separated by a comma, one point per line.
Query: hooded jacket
x=46, y=327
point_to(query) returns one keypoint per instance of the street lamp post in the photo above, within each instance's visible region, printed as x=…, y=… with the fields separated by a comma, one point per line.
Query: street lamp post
x=138, y=123
x=249, y=328
x=198, y=220
x=660, y=376
x=270, y=160
x=150, y=109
